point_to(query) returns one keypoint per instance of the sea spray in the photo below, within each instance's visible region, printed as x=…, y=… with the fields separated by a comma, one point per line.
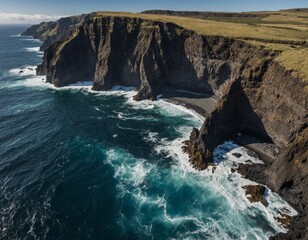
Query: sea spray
x=77, y=163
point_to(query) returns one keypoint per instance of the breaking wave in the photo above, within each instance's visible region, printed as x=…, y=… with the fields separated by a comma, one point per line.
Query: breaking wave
x=77, y=163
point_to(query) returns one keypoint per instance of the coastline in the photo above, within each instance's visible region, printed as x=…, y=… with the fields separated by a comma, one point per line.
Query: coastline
x=263, y=150
x=184, y=103
x=195, y=105
x=203, y=104
x=254, y=172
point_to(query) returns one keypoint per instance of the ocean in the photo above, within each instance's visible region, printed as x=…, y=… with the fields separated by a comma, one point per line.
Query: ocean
x=79, y=164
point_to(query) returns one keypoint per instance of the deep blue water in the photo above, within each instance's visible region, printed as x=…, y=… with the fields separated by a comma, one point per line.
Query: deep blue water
x=76, y=164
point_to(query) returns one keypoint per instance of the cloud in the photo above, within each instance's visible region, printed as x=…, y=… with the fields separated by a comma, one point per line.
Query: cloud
x=26, y=18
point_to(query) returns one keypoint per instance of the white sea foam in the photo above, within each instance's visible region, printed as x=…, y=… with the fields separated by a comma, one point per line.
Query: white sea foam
x=40, y=81
x=163, y=106
x=188, y=111
x=136, y=175
x=36, y=81
x=151, y=137
x=32, y=49
x=16, y=35
x=25, y=38
x=230, y=184
x=78, y=85
x=222, y=181
x=26, y=71
x=99, y=110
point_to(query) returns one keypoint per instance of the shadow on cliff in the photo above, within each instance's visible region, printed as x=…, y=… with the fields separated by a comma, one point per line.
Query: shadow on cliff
x=234, y=114
x=251, y=124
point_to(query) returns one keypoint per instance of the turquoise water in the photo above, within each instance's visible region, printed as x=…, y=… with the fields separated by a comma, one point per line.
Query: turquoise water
x=77, y=164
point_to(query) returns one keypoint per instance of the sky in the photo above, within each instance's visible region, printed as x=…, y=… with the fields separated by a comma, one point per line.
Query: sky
x=32, y=11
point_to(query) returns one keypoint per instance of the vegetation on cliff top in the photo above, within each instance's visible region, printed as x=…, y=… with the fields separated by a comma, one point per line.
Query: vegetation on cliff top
x=280, y=26
x=295, y=60
x=285, y=31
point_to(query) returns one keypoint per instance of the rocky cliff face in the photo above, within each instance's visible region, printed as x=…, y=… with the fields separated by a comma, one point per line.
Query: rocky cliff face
x=274, y=108
x=130, y=51
x=258, y=97
x=52, y=32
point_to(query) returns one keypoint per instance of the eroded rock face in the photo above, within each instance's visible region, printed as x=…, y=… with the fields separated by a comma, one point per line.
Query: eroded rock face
x=134, y=52
x=258, y=97
x=195, y=153
x=274, y=108
x=54, y=31
x=255, y=193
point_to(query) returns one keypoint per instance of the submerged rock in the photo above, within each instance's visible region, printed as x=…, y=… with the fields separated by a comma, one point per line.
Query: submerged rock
x=285, y=220
x=238, y=155
x=255, y=193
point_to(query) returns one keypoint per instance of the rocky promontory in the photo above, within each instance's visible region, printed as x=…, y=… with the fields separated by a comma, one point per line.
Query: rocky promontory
x=257, y=96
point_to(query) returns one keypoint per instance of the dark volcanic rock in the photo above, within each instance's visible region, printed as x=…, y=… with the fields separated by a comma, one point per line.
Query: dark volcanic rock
x=255, y=193
x=238, y=155
x=52, y=32
x=146, y=54
x=196, y=156
x=285, y=220
x=254, y=172
x=258, y=97
x=298, y=228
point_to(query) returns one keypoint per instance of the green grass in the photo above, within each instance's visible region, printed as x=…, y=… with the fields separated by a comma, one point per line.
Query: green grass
x=274, y=26
x=295, y=60
x=259, y=28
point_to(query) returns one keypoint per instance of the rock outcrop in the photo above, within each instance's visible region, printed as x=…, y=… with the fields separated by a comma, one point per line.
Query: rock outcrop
x=255, y=193
x=54, y=31
x=258, y=97
x=274, y=108
x=130, y=51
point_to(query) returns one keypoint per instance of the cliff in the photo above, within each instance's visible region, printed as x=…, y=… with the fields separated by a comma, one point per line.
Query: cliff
x=273, y=108
x=209, y=15
x=52, y=32
x=149, y=55
x=258, y=97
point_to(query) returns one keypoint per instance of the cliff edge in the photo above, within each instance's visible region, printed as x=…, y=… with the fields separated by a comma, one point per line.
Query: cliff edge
x=258, y=97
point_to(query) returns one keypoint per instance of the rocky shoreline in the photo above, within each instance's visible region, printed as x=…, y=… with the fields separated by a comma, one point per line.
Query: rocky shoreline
x=257, y=173
x=253, y=94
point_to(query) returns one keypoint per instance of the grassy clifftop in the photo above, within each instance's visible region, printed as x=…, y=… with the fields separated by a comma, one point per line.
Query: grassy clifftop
x=285, y=31
x=280, y=26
